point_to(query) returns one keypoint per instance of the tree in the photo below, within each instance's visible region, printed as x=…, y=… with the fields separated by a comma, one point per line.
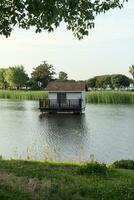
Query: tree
x=100, y=81
x=3, y=83
x=43, y=73
x=91, y=83
x=131, y=70
x=79, y=15
x=113, y=81
x=63, y=76
x=16, y=76
x=119, y=80
x=32, y=85
x=103, y=81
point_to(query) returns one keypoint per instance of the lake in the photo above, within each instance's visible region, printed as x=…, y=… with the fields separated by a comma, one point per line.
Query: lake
x=104, y=133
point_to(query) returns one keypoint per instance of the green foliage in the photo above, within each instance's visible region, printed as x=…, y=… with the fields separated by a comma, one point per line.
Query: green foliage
x=43, y=74
x=61, y=181
x=93, y=168
x=106, y=97
x=16, y=77
x=124, y=164
x=91, y=82
x=6, y=193
x=3, y=82
x=62, y=76
x=131, y=70
x=103, y=81
x=78, y=15
x=113, y=81
x=120, y=80
x=28, y=95
x=33, y=85
x=110, y=97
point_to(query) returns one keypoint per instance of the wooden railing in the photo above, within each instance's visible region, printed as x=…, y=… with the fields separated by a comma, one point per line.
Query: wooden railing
x=53, y=104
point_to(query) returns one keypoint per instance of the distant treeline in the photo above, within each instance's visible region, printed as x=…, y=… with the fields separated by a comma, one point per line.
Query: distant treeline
x=16, y=78
x=112, y=81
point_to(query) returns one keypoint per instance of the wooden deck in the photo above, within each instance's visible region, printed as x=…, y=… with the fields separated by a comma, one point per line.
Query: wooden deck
x=71, y=105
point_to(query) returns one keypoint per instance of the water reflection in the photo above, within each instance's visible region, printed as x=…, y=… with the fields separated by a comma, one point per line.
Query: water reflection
x=66, y=132
x=106, y=131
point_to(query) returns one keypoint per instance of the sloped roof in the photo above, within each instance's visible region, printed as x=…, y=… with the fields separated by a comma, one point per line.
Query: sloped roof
x=65, y=86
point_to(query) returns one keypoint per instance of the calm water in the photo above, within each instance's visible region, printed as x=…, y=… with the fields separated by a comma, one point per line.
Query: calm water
x=105, y=131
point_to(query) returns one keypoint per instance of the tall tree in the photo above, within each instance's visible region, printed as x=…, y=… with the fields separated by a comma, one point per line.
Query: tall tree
x=113, y=81
x=79, y=15
x=103, y=81
x=91, y=83
x=63, y=76
x=16, y=76
x=3, y=82
x=43, y=73
x=131, y=70
x=119, y=80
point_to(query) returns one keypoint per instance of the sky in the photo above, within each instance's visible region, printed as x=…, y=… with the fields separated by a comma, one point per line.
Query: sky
x=109, y=48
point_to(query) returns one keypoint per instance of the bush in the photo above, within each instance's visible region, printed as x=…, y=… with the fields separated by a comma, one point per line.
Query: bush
x=124, y=164
x=93, y=168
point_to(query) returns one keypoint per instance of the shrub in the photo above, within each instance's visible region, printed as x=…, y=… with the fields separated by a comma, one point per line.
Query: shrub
x=124, y=164
x=93, y=168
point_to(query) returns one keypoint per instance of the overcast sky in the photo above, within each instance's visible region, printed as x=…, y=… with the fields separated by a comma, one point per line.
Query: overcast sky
x=108, y=49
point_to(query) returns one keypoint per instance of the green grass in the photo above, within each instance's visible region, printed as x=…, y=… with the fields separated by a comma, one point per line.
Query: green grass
x=27, y=180
x=106, y=97
x=110, y=97
x=28, y=95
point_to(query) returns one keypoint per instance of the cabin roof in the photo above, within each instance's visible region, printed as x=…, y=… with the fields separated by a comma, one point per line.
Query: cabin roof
x=65, y=86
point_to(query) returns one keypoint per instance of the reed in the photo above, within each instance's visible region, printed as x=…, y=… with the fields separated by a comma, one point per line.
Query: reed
x=106, y=97
x=110, y=97
x=27, y=95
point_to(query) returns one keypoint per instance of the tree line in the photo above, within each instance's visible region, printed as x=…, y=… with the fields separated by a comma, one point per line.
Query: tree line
x=112, y=81
x=17, y=78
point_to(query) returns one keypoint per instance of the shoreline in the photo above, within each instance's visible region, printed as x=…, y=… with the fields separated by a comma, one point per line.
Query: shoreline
x=97, y=97
x=40, y=180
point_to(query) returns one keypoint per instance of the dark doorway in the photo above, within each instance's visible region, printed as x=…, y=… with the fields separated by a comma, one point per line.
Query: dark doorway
x=61, y=97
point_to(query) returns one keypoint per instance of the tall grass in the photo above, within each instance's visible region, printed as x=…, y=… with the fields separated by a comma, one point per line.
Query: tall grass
x=21, y=180
x=106, y=97
x=29, y=95
x=110, y=97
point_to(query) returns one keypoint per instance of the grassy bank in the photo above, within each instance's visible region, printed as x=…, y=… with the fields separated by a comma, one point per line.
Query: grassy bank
x=28, y=95
x=27, y=180
x=110, y=97
x=106, y=97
